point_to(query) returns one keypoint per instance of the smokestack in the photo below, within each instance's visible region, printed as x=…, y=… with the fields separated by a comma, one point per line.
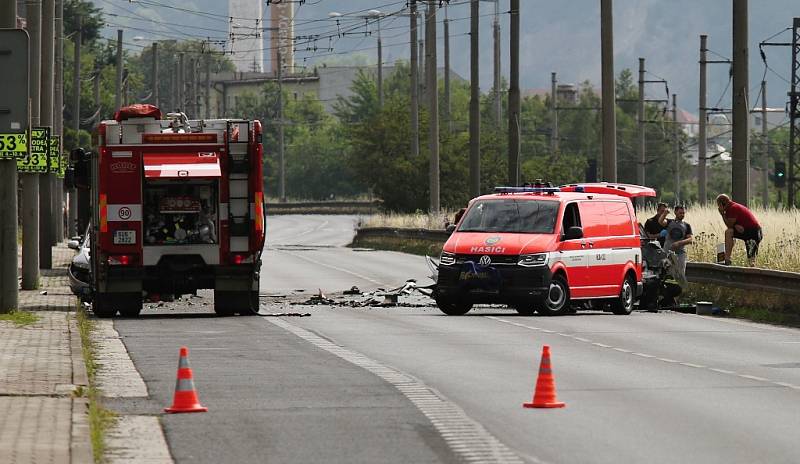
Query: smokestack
x=281, y=20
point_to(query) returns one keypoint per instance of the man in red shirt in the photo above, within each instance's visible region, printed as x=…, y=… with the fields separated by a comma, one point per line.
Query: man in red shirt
x=742, y=224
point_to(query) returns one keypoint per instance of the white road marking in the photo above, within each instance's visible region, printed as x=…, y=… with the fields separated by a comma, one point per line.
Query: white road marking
x=649, y=356
x=467, y=438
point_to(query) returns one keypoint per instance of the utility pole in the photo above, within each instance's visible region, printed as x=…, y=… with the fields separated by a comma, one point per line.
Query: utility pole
x=764, y=147
x=155, y=74
x=118, y=100
x=740, y=173
x=609, y=165
x=641, y=146
x=498, y=99
x=173, y=86
x=446, y=102
x=281, y=158
x=702, y=137
x=181, y=79
x=794, y=115
x=553, y=115
x=72, y=216
x=474, y=102
x=514, y=103
x=30, y=181
x=677, y=148
x=433, y=105
x=421, y=64
x=46, y=119
x=207, y=95
x=380, y=67
x=58, y=114
x=9, y=296
x=193, y=88
x=414, y=80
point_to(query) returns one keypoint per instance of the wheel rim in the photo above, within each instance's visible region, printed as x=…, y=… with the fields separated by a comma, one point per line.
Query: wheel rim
x=555, y=296
x=627, y=294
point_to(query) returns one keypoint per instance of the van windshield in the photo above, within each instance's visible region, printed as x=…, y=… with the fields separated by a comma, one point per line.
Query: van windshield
x=511, y=215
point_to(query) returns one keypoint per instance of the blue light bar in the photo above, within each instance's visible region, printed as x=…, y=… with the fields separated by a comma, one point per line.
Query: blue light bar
x=526, y=189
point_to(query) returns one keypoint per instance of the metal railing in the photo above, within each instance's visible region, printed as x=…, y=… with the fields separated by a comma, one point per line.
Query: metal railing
x=326, y=207
x=766, y=280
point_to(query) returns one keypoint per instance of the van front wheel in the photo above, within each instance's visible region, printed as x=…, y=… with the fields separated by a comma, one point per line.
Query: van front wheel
x=453, y=307
x=623, y=304
x=556, y=301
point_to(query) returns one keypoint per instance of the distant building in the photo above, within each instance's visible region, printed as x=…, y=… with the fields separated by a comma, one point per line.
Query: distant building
x=281, y=35
x=245, y=35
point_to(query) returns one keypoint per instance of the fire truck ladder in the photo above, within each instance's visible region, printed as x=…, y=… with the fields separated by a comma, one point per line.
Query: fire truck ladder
x=239, y=200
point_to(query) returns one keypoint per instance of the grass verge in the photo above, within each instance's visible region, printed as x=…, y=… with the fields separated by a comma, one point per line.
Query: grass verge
x=20, y=317
x=100, y=418
x=414, y=247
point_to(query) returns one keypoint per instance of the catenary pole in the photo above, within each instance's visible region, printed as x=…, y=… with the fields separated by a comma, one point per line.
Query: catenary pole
x=474, y=102
x=9, y=296
x=76, y=118
x=498, y=98
x=764, y=147
x=514, y=103
x=281, y=157
x=740, y=172
x=58, y=116
x=433, y=105
x=30, y=181
x=207, y=94
x=414, y=71
x=676, y=147
x=702, y=135
x=118, y=94
x=46, y=120
x=380, y=67
x=641, y=146
x=553, y=114
x=446, y=97
x=609, y=164
x=154, y=77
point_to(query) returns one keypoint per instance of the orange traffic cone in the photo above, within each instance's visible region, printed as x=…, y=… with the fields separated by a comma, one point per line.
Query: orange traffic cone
x=185, y=395
x=545, y=394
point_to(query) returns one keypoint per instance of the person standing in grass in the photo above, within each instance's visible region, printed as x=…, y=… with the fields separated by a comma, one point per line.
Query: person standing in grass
x=679, y=234
x=742, y=224
x=653, y=227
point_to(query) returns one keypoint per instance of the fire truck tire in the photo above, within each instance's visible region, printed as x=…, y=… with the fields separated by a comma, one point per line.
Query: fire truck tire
x=103, y=306
x=556, y=301
x=623, y=304
x=252, y=304
x=225, y=303
x=454, y=307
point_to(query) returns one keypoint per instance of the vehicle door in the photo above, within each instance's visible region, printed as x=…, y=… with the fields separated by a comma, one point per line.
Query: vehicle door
x=595, y=233
x=572, y=253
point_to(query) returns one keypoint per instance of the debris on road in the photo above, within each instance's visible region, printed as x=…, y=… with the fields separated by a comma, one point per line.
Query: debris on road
x=353, y=291
x=284, y=314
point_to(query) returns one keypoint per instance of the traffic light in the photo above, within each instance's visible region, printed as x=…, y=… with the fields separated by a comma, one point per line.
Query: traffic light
x=779, y=178
x=591, y=171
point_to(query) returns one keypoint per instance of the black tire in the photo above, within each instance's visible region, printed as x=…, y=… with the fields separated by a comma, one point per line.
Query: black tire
x=103, y=306
x=252, y=304
x=556, y=301
x=623, y=304
x=453, y=307
x=225, y=303
x=128, y=304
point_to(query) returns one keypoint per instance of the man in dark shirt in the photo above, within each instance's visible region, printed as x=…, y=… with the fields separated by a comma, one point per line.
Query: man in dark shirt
x=653, y=227
x=742, y=224
x=679, y=234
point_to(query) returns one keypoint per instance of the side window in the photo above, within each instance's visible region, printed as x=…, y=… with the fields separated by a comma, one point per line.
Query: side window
x=572, y=217
x=618, y=217
x=593, y=218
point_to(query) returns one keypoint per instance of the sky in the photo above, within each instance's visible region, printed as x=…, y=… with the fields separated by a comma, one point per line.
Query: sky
x=561, y=36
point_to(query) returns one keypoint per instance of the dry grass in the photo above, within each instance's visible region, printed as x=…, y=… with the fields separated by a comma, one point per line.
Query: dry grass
x=780, y=248
x=408, y=221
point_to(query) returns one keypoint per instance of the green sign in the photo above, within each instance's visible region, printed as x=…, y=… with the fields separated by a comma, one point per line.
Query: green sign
x=55, y=154
x=13, y=145
x=62, y=167
x=36, y=160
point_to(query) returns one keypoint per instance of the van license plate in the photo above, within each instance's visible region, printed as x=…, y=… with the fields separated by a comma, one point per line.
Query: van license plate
x=124, y=237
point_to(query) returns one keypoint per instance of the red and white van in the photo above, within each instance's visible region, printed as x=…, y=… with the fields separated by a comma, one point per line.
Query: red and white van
x=546, y=250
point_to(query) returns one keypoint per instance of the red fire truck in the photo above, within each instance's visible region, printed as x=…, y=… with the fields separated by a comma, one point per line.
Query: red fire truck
x=177, y=205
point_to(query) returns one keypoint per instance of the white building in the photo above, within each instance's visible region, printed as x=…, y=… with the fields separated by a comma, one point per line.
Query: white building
x=245, y=35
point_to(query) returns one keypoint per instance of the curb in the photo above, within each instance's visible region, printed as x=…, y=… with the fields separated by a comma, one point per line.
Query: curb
x=80, y=440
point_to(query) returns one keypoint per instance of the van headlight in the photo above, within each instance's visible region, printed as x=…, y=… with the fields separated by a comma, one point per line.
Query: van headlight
x=447, y=259
x=538, y=259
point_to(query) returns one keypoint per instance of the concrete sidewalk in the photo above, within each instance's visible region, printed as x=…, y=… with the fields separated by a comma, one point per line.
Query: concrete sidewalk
x=41, y=366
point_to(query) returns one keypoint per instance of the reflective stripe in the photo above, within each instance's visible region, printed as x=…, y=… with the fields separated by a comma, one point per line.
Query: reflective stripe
x=184, y=385
x=103, y=213
x=259, y=212
x=183, y=362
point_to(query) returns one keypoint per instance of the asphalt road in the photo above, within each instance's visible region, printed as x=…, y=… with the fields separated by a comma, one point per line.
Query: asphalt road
x=663, y=387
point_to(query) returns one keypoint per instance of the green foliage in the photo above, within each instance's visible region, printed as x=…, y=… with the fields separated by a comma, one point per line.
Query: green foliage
x=20, y=317
x=91, y=19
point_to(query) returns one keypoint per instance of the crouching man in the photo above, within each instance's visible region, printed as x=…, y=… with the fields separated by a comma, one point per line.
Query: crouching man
x=742, y=224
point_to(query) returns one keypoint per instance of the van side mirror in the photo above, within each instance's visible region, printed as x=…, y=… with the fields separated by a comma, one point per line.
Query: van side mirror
x=450, y=228
x=573, y=233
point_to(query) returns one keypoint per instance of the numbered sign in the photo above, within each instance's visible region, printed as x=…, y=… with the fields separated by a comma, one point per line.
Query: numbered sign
x=55, y=154
x=37, y=158
x=62, y=168
x=13, y=146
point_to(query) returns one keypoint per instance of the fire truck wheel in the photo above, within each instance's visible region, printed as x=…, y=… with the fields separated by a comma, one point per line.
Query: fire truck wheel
x=103, y=306
x=225, y=303
x=252, y=305
x=556, y=301
x=623, y=304
x=454, y=307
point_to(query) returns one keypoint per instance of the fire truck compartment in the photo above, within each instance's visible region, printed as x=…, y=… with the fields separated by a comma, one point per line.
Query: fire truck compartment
x=180, y=213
